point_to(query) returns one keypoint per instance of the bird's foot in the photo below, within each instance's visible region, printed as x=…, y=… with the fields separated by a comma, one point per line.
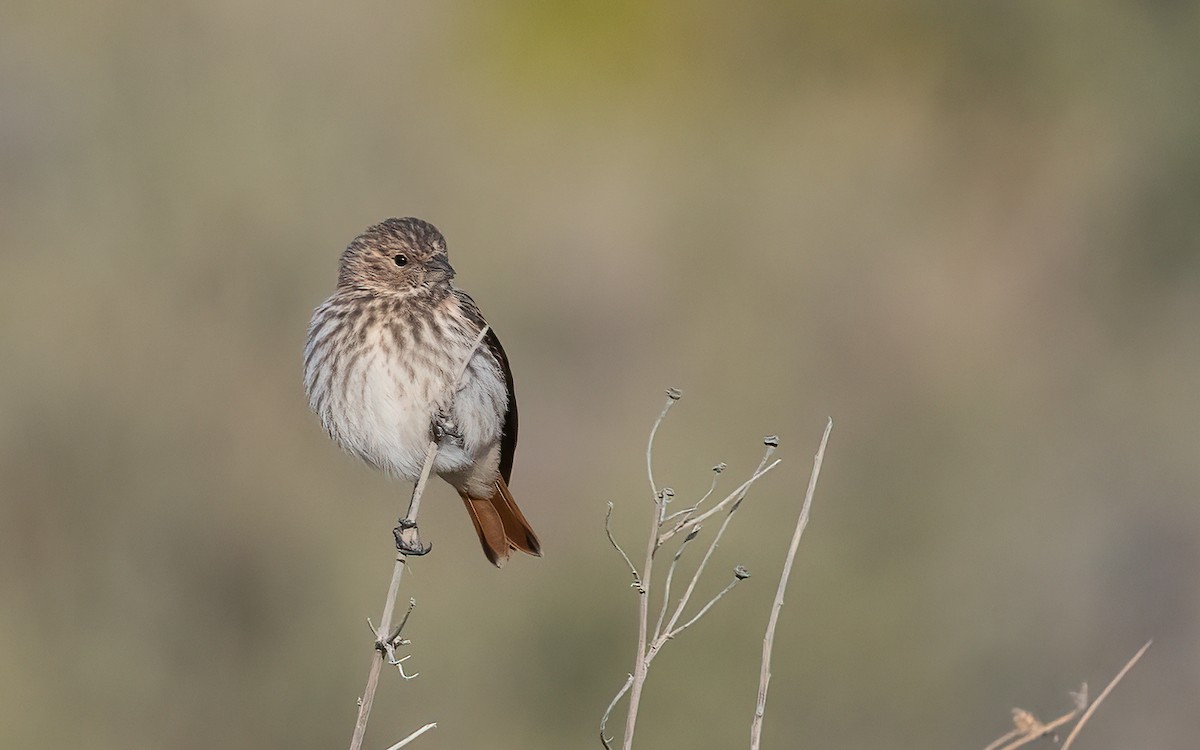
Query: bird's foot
x=408, y=539
x=445, y=430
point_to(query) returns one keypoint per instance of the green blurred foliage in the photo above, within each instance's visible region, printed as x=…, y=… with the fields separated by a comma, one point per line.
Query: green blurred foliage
x=968, y=232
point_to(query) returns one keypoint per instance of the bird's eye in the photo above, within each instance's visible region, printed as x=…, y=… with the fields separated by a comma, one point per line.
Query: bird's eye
x=401, y=260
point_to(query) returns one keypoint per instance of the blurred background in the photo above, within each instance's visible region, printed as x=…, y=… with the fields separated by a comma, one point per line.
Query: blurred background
x=967, y=232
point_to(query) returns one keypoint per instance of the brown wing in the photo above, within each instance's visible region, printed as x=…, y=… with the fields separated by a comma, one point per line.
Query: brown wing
x=508, y=439
x=498, y=521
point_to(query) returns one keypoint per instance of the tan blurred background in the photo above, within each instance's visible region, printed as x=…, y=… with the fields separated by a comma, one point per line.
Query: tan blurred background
x=967, y=232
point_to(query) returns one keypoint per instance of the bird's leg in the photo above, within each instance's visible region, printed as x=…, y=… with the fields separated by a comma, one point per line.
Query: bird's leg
x=445, y=430
x=408, y=539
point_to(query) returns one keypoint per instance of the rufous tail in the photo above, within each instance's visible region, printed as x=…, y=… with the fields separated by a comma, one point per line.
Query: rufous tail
x=501, y=525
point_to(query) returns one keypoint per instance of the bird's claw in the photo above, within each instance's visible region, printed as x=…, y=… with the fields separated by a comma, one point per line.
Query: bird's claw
x=445, y=430
x=408, y=539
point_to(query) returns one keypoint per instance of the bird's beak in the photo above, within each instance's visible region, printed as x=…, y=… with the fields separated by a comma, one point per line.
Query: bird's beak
x=439, y=268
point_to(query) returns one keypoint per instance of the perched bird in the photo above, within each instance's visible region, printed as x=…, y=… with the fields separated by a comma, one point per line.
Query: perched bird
x=380, y=369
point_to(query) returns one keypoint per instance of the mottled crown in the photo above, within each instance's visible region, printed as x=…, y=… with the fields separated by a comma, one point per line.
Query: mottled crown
x=408, y=232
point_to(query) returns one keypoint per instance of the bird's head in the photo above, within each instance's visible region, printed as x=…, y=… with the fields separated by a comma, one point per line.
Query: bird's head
x=397, y=256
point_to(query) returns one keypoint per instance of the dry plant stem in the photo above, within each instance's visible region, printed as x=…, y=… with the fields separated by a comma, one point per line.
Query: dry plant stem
x=383, y=635
x=671, y=399
x=703, y=611
x=671, y=631
x=604, y=720
x=1029, y=729
x=689, y=511
x=1104, y=694
x=637, y=581
x=1041, y=731
x=389, y=606
x=413, y=736
x=691, y=523
x=640, y=664
x=666, y=597
x=414, y=507
x=764, y=677
x=996, y=743
x=649, y=645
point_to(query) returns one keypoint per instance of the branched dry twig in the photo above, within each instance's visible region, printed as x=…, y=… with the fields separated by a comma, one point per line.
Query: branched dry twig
x=1027, y=728
x=764, y=678
x=406, y=538
x=663, y=527
x=772, y=443
x=736, y=495
x=385, y=646
x=740, y=574
x=604, y=719
x=666, y=596
x=1104, y=693
x=717, y=471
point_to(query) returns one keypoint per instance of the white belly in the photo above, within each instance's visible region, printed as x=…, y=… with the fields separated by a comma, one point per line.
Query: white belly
x=383, y=412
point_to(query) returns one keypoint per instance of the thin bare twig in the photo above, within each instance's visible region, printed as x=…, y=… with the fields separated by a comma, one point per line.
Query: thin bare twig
x=462, y=370
x=640, y=664
x=604, y=720
x=412, y=604
x=1104, y=694
x=1027, y=727
x=996, y=743
x=384, y=641
x=1035, y=729
x=764, y=678
x=673, y=395
x=649, y=644
x=637, y=579
x=703, y=610
x=688, y=511
x=389, y=644
x=413, y=736
x=772, y=442
x=732, y=496
x=666, y=595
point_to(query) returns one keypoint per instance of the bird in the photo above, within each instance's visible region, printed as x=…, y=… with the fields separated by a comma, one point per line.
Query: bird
x=382, y=362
